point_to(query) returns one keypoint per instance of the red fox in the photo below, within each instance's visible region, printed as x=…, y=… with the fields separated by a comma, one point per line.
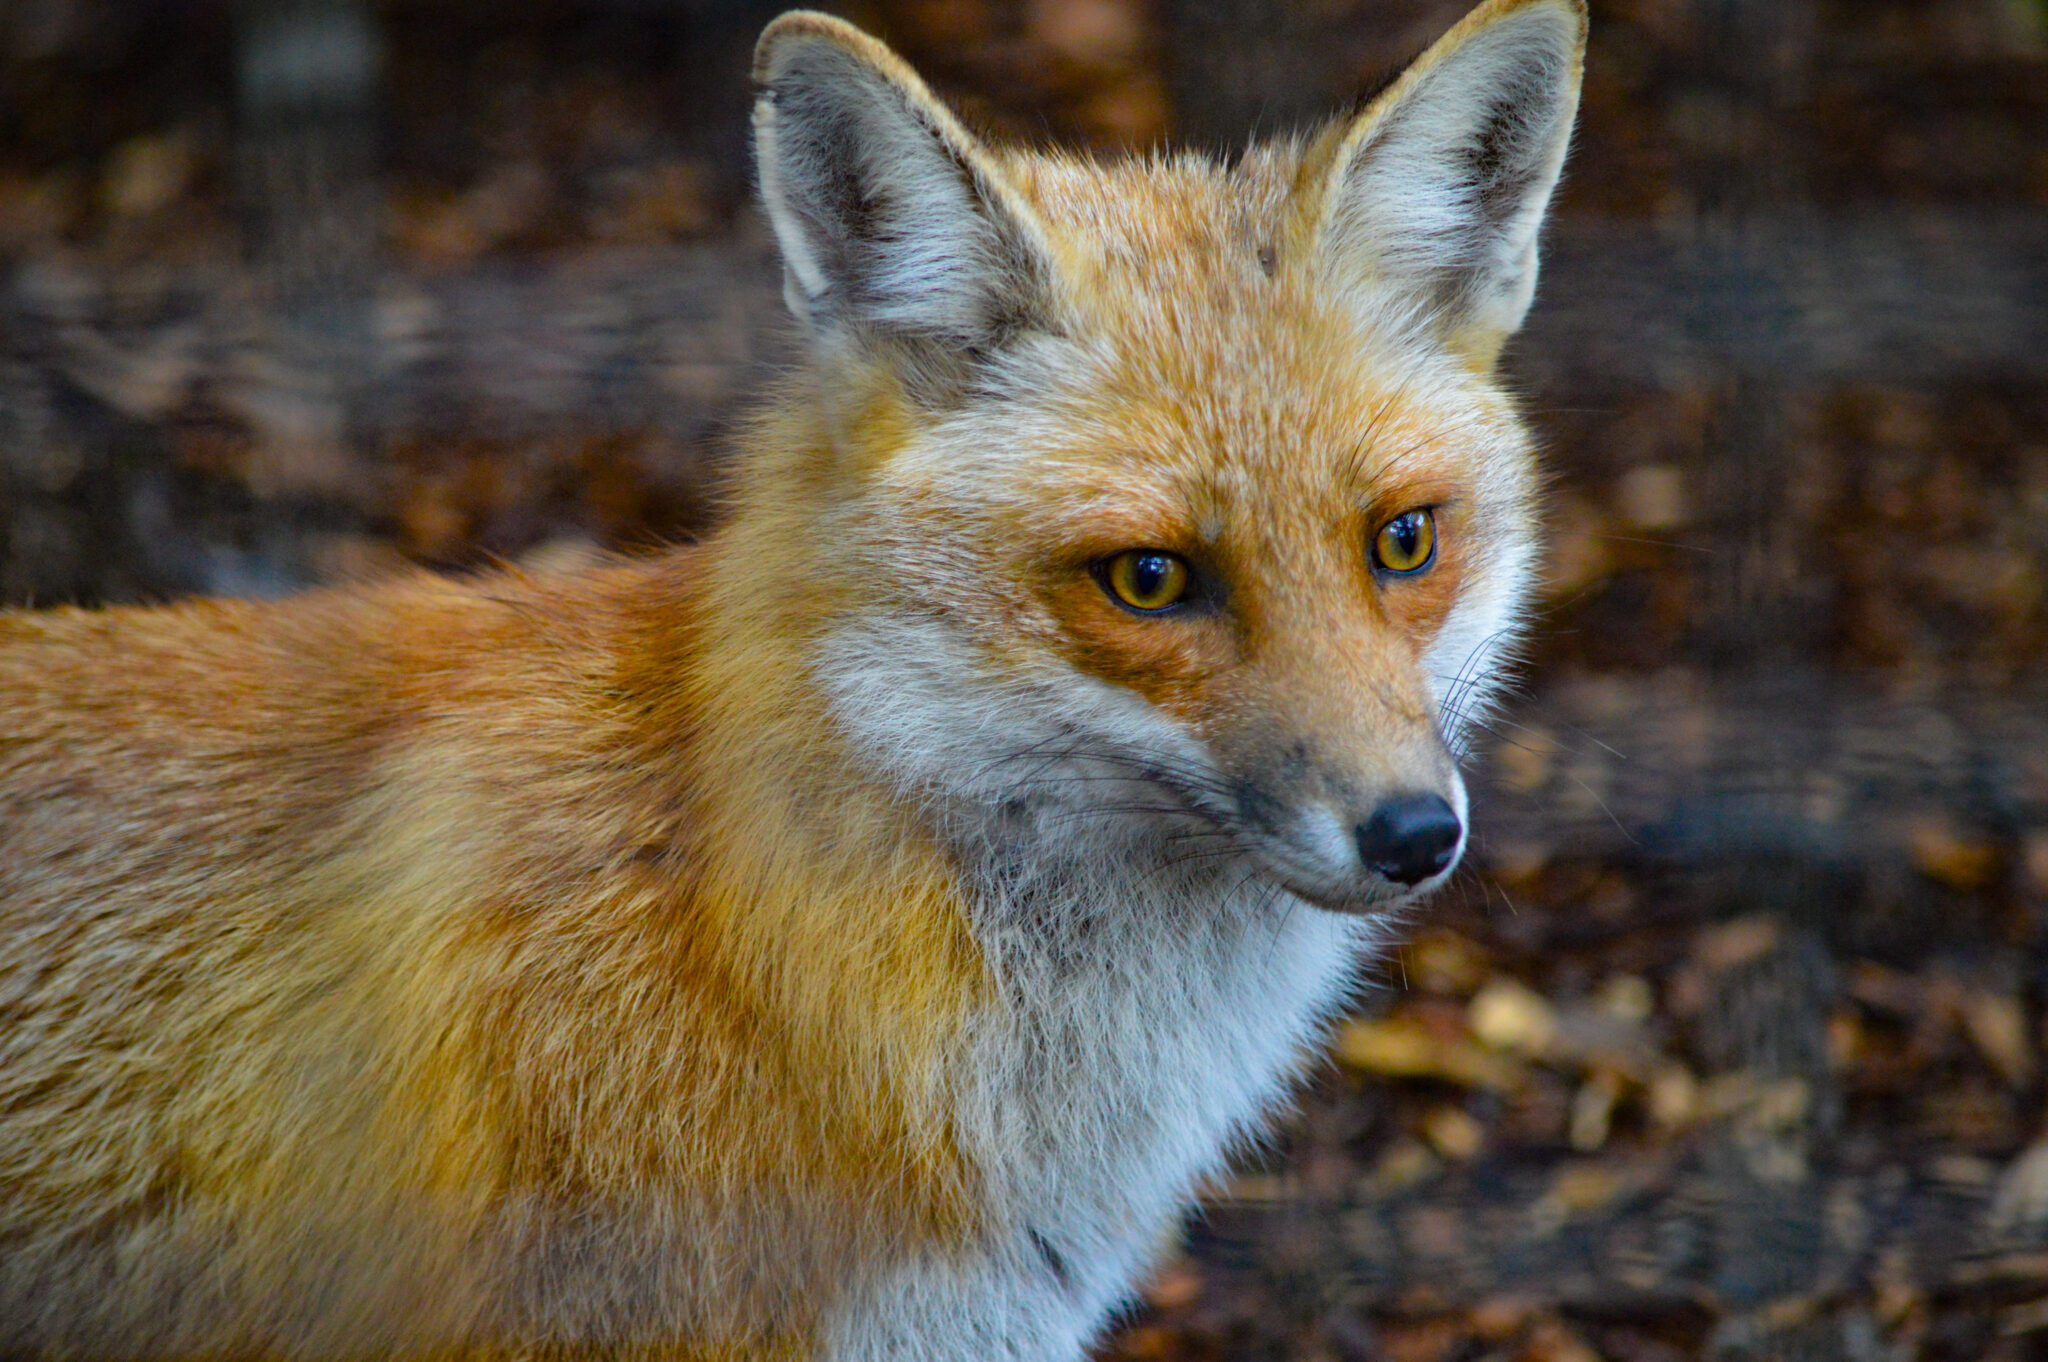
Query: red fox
x=858, y=936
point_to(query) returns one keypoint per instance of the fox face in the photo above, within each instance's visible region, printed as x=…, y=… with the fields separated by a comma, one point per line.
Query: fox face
x=1174, y=496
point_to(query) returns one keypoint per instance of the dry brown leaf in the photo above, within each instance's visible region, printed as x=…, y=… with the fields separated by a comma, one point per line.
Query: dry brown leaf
x=1398, y=1047
x=1945, y=852
x=1593, y=1111
x=1736, y=943
x=1997, y=1024
x=147, y=174
x=1627, y=998
x=1509, y=1015
x=1443, y=961
x=1674, y=1096
x=1453, y=1133
x=1552, y=1340
x=1406, y=1163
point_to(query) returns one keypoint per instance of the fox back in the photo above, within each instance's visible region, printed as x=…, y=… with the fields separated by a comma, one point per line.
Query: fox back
x=856, y=937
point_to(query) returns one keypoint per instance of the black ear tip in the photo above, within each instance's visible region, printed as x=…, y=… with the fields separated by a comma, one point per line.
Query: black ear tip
x=822, y=34
x=791, y=27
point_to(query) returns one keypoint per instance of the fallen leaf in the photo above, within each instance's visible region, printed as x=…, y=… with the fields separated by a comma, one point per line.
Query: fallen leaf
x=1397, y=1047
x=1508, y=1015
x=1998, y=1026
x=1945, y=852
x=1593, y=1111
x=1453, y=1134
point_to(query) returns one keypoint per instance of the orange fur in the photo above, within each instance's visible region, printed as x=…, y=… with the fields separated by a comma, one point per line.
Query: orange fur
x=526, y=965
x=406, y=912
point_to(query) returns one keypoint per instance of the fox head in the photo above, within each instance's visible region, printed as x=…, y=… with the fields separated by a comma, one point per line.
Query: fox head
x=1168, y=491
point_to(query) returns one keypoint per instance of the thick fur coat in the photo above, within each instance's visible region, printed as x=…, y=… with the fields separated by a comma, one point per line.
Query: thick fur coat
x=856, y=937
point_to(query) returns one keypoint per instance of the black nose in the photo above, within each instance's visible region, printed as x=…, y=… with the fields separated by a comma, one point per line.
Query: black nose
x=1409, y=838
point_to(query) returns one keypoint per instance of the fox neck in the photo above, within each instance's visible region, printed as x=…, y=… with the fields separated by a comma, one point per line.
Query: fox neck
x=823, y=894
x=1096, y=1010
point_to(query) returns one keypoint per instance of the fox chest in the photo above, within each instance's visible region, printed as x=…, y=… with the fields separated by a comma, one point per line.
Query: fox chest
x=1114, y=1090
x=1108, y=1083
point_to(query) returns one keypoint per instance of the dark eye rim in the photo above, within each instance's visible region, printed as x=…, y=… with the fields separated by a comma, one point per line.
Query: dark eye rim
x=1100, y=570
x=1428, y=513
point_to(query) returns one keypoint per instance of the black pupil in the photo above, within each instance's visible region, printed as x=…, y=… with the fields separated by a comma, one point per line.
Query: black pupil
x=1150, y=573
x=1407, y=531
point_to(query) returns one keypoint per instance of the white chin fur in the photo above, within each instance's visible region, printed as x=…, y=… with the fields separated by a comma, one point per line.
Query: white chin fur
x=1152, y=1009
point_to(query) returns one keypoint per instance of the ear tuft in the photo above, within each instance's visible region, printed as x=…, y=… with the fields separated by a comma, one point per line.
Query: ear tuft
x=1439, y=188
x=894, y=224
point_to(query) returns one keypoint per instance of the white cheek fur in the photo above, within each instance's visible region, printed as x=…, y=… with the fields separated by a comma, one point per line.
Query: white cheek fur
x=1466, y=664
x=1150, y=1012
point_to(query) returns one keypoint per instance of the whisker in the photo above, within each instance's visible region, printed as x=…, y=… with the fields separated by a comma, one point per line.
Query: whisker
x=1700, y=549
x=1633, y=840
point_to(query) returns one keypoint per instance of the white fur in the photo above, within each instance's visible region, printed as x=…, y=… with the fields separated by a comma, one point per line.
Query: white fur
x=1120, y=1067
x=1410, y=209
x=1467, y=663
x=803, y=277
x=938, y=254
x=1151, y=1010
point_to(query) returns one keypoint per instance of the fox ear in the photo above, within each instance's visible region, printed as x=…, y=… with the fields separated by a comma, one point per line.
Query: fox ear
x=893, y=222
x=1438, y=189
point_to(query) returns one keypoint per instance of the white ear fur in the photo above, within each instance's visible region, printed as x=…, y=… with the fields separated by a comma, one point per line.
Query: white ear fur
x=892, y=220
x=1440, y=187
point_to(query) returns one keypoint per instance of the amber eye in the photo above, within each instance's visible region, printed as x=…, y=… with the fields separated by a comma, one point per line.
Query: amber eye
x=1146, y=579
x=1406, y=543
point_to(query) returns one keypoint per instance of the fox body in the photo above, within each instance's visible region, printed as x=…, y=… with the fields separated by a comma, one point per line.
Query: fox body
x=856, y=936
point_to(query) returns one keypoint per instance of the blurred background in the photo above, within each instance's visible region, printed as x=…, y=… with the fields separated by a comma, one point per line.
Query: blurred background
x=1731, y=1042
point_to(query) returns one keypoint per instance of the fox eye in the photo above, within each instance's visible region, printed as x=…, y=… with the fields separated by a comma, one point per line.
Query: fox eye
x=1146, y=580
x=1406, y=543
